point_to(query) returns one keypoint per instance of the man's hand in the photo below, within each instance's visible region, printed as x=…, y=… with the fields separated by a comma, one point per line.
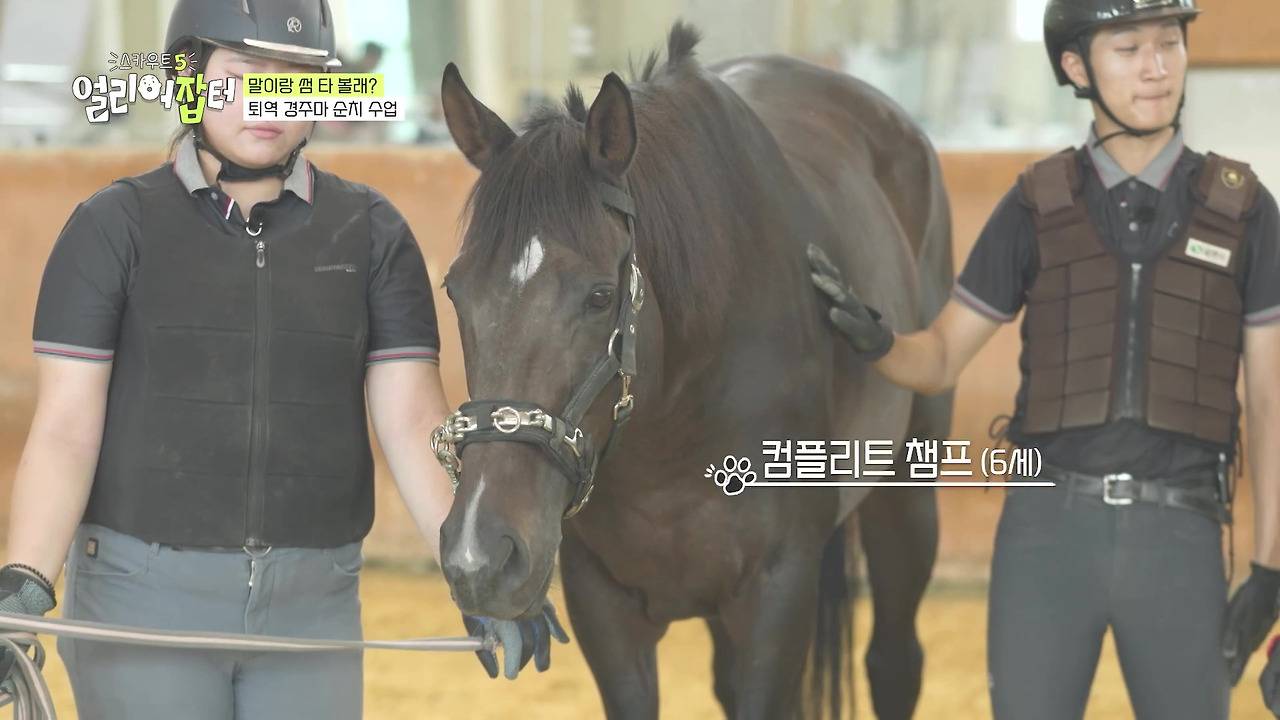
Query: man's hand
x=23, y=591
x=1250, y=616
x=520, y=640
x=860, y=325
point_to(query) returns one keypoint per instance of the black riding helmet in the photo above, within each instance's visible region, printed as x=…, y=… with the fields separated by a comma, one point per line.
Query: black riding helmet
x=296, y=31
x=1070, y=24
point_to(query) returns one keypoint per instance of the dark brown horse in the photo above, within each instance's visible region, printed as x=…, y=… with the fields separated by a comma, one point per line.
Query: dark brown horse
x=733, y=169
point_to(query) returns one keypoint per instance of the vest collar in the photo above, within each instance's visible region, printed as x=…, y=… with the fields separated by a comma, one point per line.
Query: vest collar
x=186, y=165
x=1155, y=174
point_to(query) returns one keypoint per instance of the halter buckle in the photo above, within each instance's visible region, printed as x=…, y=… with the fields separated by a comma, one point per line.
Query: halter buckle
x=637, y=290
x=627, y=401
x=572, y=442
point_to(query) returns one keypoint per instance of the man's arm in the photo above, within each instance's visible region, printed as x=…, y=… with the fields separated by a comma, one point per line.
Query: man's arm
x=927, y=361
x=406, y=402
x=930, y=360
x=1262, y=408
x=1254, y=605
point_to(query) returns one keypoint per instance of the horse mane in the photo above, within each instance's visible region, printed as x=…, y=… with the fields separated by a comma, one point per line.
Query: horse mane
x=689, y=216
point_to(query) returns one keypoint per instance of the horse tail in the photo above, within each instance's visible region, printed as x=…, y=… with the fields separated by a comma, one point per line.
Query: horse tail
x=831, y=653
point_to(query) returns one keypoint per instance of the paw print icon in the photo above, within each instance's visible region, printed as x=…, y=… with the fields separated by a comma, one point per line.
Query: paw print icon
x=733, y=476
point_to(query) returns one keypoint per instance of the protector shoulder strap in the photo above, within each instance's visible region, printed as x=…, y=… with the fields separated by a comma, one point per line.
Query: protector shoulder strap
x=1053, y=184
x=1227, y=187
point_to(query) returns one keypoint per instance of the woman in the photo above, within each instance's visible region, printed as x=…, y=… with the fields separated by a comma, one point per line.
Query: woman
x=206, y=336
x=1150, y=274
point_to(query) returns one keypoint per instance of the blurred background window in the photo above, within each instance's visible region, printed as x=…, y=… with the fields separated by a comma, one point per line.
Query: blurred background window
x=972, y=72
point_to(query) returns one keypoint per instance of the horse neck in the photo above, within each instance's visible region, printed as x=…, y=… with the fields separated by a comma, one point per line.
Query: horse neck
x=752, y=209
x=706, y=188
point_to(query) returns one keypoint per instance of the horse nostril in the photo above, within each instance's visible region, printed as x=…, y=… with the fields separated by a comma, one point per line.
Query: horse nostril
x=513, y=569
x=510, y=557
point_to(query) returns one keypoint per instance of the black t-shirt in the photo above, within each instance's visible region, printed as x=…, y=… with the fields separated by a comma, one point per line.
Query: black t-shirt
x=89, y=272
x=1139, y=217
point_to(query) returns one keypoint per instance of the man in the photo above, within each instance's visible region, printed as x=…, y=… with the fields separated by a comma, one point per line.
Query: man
x=1149, y=272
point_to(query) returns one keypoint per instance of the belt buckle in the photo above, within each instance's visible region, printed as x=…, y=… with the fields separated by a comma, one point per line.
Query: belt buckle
x=1109, y=482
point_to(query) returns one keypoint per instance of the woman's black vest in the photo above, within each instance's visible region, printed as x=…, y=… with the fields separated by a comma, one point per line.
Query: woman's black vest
x=235, y=414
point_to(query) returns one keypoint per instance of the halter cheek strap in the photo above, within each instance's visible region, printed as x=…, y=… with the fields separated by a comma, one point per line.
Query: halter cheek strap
x=560, y=437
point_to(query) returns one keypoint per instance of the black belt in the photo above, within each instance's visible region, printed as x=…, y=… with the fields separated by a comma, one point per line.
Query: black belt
x=1120, y=489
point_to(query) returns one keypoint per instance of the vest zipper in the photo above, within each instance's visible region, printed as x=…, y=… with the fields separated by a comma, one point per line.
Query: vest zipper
x=258, y=416
x=1130, y=374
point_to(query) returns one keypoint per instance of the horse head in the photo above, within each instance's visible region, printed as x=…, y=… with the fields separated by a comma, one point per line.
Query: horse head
x=548, y=296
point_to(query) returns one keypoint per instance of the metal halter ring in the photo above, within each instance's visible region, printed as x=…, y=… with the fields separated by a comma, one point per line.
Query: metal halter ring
x=446, y=454
x=506, y=419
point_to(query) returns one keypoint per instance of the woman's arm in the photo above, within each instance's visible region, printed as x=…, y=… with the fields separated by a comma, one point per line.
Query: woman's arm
x=406, y=402
x=54, y=476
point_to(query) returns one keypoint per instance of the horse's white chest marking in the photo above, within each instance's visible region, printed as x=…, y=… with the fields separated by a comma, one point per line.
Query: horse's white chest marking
x=529, y=262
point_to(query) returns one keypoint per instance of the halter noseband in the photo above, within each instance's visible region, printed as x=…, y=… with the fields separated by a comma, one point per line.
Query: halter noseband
x=560, y=437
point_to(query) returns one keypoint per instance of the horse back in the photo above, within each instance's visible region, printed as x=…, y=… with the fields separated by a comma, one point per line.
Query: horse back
x=863, y=160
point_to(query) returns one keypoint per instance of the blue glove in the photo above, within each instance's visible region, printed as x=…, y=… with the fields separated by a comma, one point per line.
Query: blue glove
x=23, y=591
x=520, y=640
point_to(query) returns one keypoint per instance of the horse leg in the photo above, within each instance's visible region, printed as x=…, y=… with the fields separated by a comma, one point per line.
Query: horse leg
x=617, y=638
x=770, y=624
x=722, y=664
x=899, y=529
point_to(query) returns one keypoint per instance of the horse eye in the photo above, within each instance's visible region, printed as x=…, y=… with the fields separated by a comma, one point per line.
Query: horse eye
x=601, y=298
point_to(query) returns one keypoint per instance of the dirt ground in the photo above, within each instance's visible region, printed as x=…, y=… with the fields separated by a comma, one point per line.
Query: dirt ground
x=400, y=604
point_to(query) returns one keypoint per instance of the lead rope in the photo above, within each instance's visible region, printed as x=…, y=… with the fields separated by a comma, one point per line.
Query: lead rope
x=31, y=698
x=998, y=430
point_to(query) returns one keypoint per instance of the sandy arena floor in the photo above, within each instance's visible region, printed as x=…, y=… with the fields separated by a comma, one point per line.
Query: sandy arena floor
x=445, y=685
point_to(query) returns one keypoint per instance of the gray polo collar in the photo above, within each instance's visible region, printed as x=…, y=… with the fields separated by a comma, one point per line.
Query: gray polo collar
x=1155, y=174
x=186, y=165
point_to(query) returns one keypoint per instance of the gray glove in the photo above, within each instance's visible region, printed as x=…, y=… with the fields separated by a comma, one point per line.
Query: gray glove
x=520, y=640
x=23, y=591
x=860, y=325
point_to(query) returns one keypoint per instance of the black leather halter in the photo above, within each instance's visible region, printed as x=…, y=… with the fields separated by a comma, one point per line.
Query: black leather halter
x=560, y=437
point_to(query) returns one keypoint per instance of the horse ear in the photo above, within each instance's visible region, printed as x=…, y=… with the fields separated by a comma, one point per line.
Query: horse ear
x=611, y=129
x=477, y=131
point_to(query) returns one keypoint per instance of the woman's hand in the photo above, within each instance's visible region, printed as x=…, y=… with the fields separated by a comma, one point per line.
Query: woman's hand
x=520, y=640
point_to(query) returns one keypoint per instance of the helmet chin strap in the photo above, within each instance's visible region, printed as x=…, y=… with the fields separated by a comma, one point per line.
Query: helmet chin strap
x=233, y=172
x=1091, y=93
